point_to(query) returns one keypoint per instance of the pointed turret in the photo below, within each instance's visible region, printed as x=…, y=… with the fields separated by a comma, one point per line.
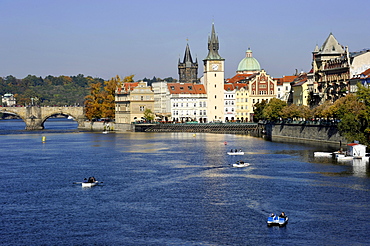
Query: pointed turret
x=188, y=70
x=188, y=60
x=213, y=46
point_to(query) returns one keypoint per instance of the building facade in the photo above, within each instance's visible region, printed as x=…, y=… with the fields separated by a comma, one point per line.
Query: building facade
x=188, y=102
x=131, y=100
x=229, y=98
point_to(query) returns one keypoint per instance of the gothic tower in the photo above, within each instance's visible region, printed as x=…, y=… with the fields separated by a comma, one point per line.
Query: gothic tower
x=188, y=70
x=214, y=79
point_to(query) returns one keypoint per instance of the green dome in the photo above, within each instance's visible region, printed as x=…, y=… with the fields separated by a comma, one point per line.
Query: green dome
x=249, y=63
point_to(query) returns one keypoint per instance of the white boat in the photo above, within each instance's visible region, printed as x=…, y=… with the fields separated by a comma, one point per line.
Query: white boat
x=89, y=184
x=276, y=220
x=235, y=153
x=323, y=154
x=105, y=132
x=242, y=164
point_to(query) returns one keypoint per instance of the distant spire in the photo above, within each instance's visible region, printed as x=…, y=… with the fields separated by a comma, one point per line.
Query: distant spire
x=187, y=56
x=213, y=46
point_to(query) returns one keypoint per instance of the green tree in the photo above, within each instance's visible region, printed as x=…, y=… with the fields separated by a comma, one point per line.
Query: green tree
x=257, y=110
x=148, y=115
x=273, y=109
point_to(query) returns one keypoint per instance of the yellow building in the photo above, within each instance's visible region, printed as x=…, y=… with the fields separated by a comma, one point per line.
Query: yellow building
x=132, y=99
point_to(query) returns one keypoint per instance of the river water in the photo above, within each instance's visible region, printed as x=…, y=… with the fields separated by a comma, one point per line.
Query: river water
x=173, y=189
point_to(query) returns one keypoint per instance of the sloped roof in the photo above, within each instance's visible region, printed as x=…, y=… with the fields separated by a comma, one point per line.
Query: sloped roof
x=186, y=88
x=229, y=87
x=285, y=79
x=366, y=73
x=128, y=86
x=240, y=85
x=331, y=46
x=240, y=76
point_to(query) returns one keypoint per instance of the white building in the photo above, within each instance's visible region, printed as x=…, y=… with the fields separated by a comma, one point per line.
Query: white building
x=188, y=102
x=8, y=100
x=162, y=106
x=229, y=99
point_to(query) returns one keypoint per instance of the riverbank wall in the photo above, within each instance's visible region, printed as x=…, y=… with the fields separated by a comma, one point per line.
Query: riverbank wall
x=274, y=132
x=305, y=132
x=102, y=126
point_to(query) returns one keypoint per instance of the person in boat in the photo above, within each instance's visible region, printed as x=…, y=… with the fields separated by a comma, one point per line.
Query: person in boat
x=236, y=150
x=282, y=215
x=272, y=215
x=231, y=150
x=85, y=180
x=91, y=180
x=240, y=150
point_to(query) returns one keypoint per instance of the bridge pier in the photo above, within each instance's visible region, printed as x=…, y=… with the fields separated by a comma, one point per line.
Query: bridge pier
x=33, y=118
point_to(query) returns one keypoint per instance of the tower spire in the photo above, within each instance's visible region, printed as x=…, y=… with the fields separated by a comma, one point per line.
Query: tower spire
x=213, y=46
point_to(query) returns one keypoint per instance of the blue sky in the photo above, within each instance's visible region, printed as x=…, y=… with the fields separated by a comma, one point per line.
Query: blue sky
x=147, y=38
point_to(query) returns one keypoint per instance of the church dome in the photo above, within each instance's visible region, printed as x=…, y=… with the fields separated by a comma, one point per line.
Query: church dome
x=249, y=63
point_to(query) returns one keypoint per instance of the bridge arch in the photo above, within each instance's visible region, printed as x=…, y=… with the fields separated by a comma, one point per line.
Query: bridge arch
x=35, y=116
x=8, y=110
x=46, y=117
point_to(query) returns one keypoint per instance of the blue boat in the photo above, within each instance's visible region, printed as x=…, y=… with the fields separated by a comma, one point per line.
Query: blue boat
x=275, y=220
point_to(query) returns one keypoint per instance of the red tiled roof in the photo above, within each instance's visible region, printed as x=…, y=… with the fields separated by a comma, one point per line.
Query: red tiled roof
x=285, y=79
x=238, y=77
x=240, y=85
x=229, y=87
x=186, y=88
x=129, y=85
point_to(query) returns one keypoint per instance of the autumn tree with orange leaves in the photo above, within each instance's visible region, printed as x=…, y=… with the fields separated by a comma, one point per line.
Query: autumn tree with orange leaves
x=101, y=101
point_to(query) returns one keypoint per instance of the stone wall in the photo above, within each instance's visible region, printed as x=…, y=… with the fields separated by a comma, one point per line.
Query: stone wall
x=319, y=133
x=100, y=126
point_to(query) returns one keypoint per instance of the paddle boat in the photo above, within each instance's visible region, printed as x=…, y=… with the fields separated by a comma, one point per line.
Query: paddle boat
x=89, y=182
x=86, y=184
x=274, y=220
x=236, y=152
x=240, y=164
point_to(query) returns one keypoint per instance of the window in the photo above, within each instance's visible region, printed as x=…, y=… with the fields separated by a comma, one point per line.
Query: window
x=142, y=98
x=142, y=108
x=246, y=100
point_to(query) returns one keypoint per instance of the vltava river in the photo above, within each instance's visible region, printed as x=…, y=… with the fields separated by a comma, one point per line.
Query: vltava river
x=173, y=189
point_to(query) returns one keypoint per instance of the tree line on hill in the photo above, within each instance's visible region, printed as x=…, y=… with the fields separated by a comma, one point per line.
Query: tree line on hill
x=55, y=91
x=48, y=91
x=350, y=113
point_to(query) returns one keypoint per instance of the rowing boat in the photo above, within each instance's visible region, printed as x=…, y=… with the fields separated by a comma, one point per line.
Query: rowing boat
x=89, y=184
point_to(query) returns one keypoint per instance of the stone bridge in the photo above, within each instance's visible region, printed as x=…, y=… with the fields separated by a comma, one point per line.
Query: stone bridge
x=35, y=116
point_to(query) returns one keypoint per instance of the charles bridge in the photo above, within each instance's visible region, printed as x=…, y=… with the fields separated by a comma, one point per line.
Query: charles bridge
x=35, y=116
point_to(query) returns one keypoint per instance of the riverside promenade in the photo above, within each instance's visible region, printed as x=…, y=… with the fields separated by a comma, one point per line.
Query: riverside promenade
x=224, y=128
x=295, y=132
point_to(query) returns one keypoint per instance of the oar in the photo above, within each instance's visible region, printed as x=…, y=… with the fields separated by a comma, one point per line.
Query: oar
x=77, y=182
